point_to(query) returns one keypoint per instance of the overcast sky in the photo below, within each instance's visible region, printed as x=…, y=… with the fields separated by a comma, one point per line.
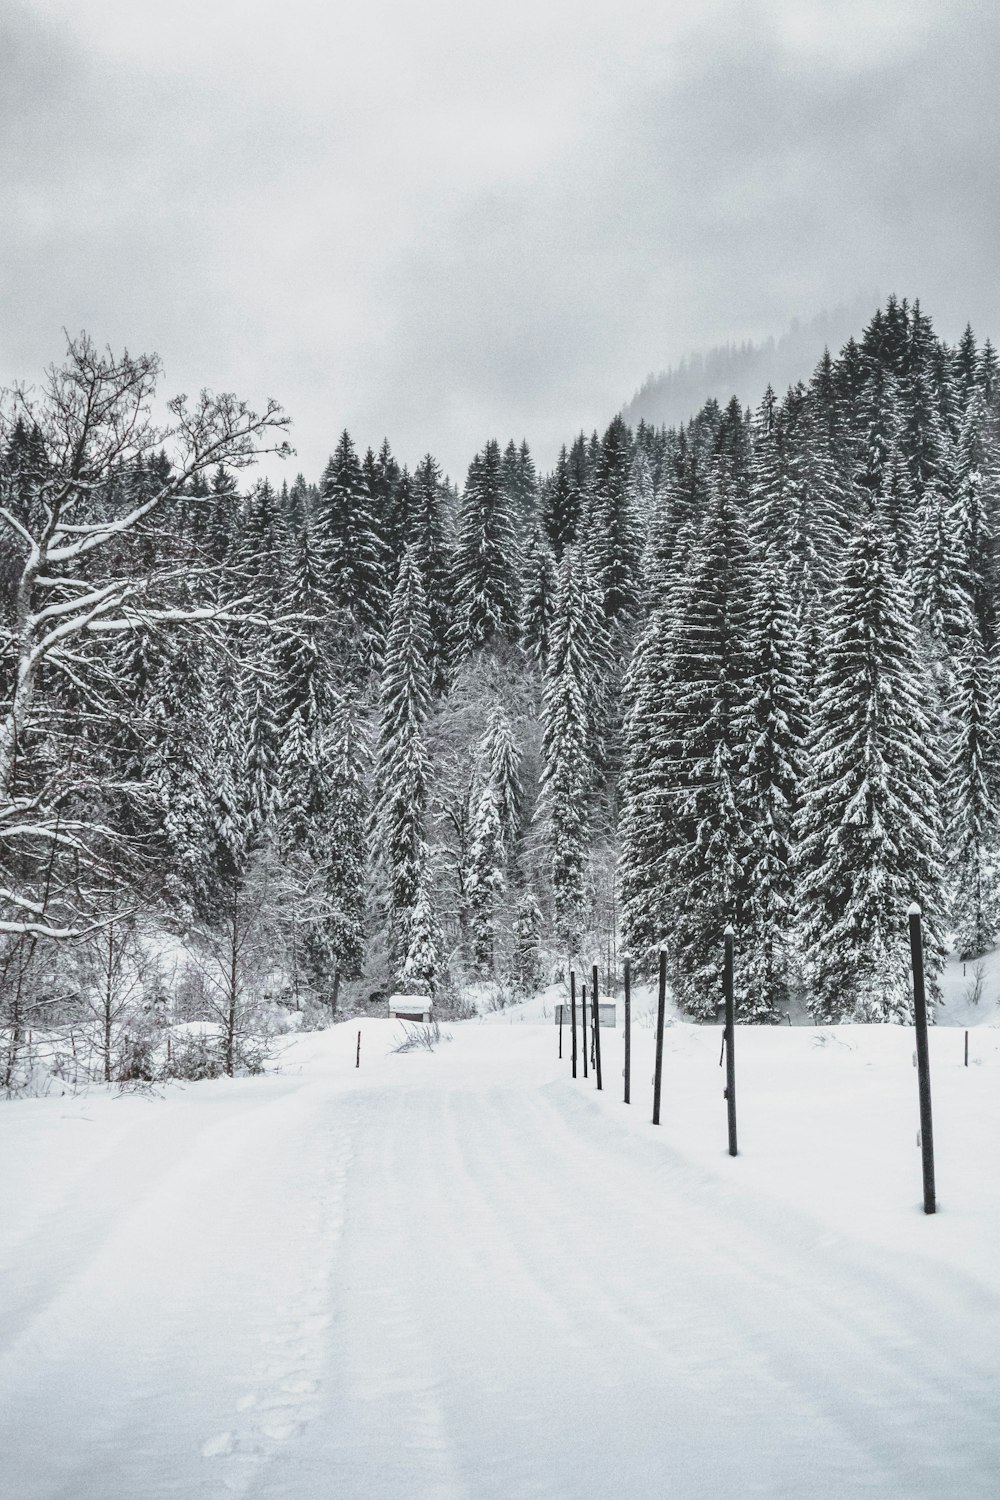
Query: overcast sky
x=442, y=221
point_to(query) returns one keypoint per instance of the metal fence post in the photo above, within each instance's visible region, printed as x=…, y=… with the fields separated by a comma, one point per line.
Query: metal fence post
x=572, y=1015
x=628, y=1028
x=727, y=985
x=923, y=1058
x=597, y=1025
x=661, y=1006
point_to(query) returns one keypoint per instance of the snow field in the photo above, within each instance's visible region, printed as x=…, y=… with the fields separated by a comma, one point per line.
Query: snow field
x=461, y=1274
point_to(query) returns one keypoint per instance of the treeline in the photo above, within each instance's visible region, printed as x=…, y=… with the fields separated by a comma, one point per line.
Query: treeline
x=741, y=670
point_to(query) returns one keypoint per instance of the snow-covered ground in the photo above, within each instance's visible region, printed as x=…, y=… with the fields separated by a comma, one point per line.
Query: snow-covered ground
x=461, y=1274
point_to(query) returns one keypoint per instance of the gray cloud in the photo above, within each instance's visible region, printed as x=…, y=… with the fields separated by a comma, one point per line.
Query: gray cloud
x=442, y=227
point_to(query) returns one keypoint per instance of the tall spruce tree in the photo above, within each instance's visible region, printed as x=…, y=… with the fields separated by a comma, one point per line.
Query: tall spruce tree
x=485, y=879
x=684, y=835
x=869, y=826
x=344, y=852
x=562, y=505
x=569, y=717
x=970, y=797
x=351, y=545
x=776, y=673
x=487, y=561
x=614, y=527
x=537, y=598
x=430, y=535
x=402, y=763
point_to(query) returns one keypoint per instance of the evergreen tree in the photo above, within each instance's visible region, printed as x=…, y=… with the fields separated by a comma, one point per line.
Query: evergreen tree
x=869, y=828
x=501, y=761
x=562, y=506
x=775, y=676
x=614, y=532
x=527, y=930
x=430, y=537
x=421, y=967
x=973, y=483
x=970, y=796
x=303, y=700
x=521, y=484
x=487, y=562
x=402, y=768
x=684, y=837
x=262, y=775
x=352, y=548
x=262, y=545
x=343, y=855
x=571, y=695
x=940, y=577
x=227, y=808
x=485, y=881
x=538, y=597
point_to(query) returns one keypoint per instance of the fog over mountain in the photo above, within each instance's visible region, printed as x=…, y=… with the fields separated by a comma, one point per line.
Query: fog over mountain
x=744, y=370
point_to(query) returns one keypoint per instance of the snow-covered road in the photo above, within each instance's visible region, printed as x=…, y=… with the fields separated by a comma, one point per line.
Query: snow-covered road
x=462, y=1275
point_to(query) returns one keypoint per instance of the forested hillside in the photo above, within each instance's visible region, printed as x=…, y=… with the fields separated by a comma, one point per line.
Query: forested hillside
x=744, y=369
x=363, y=731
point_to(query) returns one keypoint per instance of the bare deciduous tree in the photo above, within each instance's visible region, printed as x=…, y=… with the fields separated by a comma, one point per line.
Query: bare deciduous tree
x=75, y=582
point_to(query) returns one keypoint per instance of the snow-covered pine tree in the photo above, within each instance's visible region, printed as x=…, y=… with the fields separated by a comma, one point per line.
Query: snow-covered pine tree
x=641, y=489
x=402, y=765
x=971, y=801
x=776, y=673
x=562, y=506
x=702, y=820
x=421, y=971
x=965, y=368
x=349, y=541
x=614, y=534
x=939, y=577
x=649, y=785
x=178, y=710
x=303, y=697
x=521, y=482
x=869, y=825
x=430, y=535
x=974, y=485
x=390, y=514
x=501, y=760
x=538, y=594
x=485, y=880
x=227, y=763
x=527, y=930
x=493, y=835
x=569, y=717
x=262, y=545
x=260, y=791
x=487, y=561
x=343, y=855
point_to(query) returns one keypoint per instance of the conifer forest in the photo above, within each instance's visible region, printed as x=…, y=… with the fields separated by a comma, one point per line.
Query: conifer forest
x=301, y=744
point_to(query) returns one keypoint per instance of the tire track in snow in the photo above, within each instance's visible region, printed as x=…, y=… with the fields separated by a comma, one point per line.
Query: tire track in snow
x=190, y=1343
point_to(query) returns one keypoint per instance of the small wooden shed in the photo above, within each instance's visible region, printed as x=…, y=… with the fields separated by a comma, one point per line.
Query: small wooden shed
x=410, y=1007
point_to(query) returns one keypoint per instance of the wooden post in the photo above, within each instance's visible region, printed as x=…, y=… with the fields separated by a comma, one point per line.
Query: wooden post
x=560, y=1032
x=357, y=1055
x=923, y=1058
x=661, y=1008
x=572, y=1016
x=727, y=984
x=966, y=1049
x=597, y=1025
x=628, y=1029
x=583, y=1025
